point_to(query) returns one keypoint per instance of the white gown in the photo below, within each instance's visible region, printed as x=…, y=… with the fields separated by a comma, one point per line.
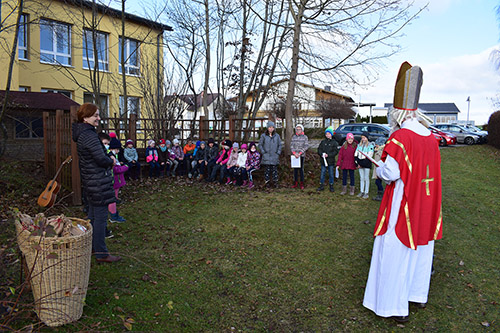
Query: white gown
x=397, y=274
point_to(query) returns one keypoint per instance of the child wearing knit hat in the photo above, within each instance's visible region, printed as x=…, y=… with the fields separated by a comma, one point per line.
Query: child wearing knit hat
x=346, y=162
x=189, y=150
x=152, y=159
x=299, y=146
x=327, y=150
x=240, y=166
x=211, y=156
x=199, y=162
x=164, y=158
x=252, y=164
x=231, y=163
x=220, y=163
x=179, y=155
x=132, y=160
x=270, y=145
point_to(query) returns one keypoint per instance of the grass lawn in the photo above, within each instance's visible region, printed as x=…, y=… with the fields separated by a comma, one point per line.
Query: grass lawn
x=200, y=259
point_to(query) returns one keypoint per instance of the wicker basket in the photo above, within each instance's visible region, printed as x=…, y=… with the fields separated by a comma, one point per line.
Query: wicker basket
x=60, y=268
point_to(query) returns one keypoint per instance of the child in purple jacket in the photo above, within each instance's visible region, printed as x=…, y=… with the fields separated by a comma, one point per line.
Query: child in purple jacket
x=346, y=162
x=252, y=164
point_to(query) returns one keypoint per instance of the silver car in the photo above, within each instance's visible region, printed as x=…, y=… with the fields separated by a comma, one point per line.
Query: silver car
x=463, y=134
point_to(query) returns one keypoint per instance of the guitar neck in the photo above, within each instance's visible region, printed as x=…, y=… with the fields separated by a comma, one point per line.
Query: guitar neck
x=67, y=160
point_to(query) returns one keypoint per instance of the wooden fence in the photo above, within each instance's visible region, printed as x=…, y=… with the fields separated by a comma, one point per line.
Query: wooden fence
x=140, y=130
x=58, y=145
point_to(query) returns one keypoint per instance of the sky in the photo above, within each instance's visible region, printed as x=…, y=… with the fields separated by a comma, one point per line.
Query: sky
x=451, y=41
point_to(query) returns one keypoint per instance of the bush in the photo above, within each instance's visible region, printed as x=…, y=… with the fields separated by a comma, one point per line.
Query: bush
x=494, y=130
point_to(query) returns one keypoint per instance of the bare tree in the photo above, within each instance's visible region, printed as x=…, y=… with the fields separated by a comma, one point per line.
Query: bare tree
x=335, y=108
x=187, y=44
x=251, y=73
x=12, y=58
x=338, y=37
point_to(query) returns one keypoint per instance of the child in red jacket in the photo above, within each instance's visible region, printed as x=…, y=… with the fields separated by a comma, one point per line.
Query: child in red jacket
x=346, y=162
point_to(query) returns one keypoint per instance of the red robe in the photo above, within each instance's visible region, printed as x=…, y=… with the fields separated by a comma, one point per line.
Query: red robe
x=420, y=214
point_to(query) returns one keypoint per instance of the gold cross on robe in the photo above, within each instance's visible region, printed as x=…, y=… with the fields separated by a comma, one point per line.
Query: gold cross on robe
x=426, y=181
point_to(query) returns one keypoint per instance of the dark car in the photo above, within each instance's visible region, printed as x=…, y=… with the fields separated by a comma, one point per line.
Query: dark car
x=375, y=131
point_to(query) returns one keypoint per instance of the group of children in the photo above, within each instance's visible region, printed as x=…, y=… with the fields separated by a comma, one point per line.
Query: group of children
x=234, y=164
x=354, y=155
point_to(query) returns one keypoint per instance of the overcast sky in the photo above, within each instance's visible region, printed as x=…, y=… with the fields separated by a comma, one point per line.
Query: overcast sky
x=451, y=42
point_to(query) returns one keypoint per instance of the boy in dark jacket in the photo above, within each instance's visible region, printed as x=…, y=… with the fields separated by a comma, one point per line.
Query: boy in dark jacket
x=211, y=155
x=327, y=150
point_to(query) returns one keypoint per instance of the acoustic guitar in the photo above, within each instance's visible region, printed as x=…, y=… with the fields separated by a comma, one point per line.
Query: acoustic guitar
x=48, y=196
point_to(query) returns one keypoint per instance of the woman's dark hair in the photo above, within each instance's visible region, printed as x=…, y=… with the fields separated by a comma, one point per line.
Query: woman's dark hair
x=86, y=110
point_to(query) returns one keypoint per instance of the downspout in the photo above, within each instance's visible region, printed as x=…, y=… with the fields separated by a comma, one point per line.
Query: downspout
x=158, y=80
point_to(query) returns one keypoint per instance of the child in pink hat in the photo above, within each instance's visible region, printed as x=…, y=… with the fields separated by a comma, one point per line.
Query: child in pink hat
x=346, y=162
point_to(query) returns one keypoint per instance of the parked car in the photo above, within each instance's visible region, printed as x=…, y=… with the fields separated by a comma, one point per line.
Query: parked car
x=375, y=131
x=439, y=139
x=463, y=135
x=478, y=131
x=448, y=138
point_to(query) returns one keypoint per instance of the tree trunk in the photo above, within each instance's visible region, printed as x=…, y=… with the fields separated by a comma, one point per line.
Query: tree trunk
x=12, y=58
x=207, y=58
x=293, y=75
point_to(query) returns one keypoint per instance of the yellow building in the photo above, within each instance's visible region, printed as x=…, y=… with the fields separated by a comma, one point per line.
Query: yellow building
x=74, y=47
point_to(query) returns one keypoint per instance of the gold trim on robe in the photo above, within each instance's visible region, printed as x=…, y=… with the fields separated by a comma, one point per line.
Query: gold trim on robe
x=408, y=225
x=407, y=158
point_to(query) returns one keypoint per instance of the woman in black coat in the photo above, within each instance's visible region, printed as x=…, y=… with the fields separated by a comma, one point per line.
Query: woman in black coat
x=96, y=175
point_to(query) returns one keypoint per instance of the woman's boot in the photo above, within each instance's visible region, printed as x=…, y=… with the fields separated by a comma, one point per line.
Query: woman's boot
x=344, y=190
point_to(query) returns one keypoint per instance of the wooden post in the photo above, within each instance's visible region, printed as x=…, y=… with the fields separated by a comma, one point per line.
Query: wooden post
x=46, y=142
x=132, y=131
x=76, y=185
x=203, y=128
x=231, y=127
x=59, y=130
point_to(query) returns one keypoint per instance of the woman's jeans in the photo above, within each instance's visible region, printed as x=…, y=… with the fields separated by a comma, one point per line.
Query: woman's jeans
x=98, y=216
x=344, y=177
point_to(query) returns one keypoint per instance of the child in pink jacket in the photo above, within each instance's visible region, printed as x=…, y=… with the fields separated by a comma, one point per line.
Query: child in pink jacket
x=220, y=164
x=346, y=162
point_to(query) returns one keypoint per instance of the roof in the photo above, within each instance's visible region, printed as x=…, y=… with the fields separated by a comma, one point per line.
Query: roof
x=347, y=98
x=118, y=13
x=434, y=107
x=189, y=99
x=45, y=101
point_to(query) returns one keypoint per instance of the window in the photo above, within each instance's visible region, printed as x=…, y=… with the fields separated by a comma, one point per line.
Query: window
x=29, y=127
x=64, y=92
x=133, y=107
x=55, y=43
x=22, y=43
x=131, y=56
x=25, y=89
x=101, y=43
x=102, y=103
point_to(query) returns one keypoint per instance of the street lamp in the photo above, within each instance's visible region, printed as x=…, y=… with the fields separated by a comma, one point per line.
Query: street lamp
x=468, y=109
